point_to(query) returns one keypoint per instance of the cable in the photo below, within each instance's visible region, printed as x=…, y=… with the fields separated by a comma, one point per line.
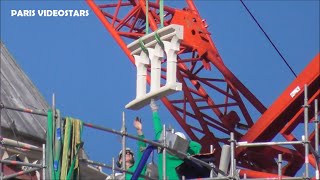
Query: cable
x=268, y=38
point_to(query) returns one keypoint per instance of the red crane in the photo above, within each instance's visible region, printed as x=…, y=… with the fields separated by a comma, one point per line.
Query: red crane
x=214, y=102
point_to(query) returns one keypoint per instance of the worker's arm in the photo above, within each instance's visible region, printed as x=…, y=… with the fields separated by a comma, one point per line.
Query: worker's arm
x=141, y=145
x=157, y=125
x=156, y=119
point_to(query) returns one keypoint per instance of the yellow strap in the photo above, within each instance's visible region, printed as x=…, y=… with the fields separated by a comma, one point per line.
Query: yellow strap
x=77, y=128
x=66, y=144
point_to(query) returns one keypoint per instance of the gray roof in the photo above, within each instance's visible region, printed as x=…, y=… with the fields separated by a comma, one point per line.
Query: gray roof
x=18, y=91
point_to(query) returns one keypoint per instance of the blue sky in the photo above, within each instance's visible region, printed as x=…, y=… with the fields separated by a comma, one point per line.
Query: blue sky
x=78, y=60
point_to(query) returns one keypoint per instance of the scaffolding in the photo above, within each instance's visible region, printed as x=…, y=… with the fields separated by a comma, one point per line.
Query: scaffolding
x=215, y=172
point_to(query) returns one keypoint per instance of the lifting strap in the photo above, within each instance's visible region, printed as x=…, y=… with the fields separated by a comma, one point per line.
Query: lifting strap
x=76, y=145
x=157, y=37
x=147, y=17
x=161, y=13
x=71, y=146
x=144, y=49
x=66, y=145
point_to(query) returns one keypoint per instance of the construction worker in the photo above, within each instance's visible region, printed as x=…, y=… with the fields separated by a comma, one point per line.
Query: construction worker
x=171, y=161
x=131, y=162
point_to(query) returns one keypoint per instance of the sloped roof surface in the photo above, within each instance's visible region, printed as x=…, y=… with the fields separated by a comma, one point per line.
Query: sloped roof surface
x=17, y=90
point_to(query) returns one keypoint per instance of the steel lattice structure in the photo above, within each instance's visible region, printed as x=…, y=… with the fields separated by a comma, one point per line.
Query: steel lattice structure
x=214, y=102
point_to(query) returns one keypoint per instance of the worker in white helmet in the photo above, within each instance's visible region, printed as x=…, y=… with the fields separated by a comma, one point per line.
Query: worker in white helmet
x=171, y=161
x=129, y=158
x=131, y=162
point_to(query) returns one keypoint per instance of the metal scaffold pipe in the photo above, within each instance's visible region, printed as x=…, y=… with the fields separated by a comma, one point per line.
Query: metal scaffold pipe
x=14, y=143
x=211, y=163
x=20, y=173
x=110, y=167
x=43, y=161
x=21, y=163
x=306, y=134
x=285, y=178
x=164, y=167
x=123, y=132
x=150, y=142
x=316, y=124
x=215, y=178
x=113, y=168
x=245, y=144
x=280, y=166
x=232, y=157
x=26, y=110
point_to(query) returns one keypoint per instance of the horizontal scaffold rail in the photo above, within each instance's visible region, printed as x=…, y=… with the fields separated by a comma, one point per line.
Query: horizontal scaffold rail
x=20, y=173
x=155, y=144
x=21, y=163
x=14, y=143
x=122, y=133
x=26, y=110
x=110, y=167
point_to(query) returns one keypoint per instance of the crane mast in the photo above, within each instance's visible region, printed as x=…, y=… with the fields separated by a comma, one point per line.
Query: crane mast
x=214, y=102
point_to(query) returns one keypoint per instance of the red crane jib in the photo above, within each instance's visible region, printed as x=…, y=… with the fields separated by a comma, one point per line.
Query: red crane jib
x=280, y=119
x=285, y=114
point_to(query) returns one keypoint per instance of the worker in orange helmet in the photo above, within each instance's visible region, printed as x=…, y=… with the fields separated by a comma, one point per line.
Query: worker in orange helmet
x=171, y=161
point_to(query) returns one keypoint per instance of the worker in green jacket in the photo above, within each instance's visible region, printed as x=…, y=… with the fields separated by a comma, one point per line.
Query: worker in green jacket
x=132, y=161
x=171, y=161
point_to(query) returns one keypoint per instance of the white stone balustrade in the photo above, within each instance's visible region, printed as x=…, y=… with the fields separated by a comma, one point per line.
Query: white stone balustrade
x=171, y=37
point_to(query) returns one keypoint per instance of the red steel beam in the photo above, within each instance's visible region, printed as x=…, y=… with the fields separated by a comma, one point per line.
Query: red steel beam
x=278, y=114
x=283, y=112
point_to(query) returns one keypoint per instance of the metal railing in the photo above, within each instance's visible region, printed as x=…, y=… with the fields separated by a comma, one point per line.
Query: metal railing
x=233, y=144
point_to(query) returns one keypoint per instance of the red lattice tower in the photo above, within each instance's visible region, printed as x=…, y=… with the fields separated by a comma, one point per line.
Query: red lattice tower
x=214, y=102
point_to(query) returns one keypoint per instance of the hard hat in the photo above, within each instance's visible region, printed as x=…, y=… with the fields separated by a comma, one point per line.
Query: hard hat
x=127, y=149
x=180, y=134
x=120, y=155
